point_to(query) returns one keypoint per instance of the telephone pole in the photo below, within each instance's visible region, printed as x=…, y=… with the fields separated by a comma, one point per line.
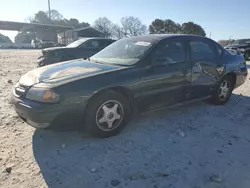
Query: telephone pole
x=49, y=9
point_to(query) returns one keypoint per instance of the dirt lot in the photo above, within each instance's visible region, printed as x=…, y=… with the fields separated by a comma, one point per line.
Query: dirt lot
x=196, y=146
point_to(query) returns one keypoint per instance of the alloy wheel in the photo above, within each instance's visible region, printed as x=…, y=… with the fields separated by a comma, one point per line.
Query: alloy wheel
x=109, y=115
x=224, y=90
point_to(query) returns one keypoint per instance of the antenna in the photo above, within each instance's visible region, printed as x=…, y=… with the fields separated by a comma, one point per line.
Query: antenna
x=49, y=9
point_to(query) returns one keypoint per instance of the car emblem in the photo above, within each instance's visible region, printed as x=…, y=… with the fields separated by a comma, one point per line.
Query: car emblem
x=220, y=69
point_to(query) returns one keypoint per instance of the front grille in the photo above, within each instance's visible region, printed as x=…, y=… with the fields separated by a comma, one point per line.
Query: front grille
x=20, y=90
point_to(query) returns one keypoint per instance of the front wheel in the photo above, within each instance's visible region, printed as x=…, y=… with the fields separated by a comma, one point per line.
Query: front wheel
x=223, y=92
x=107, y=114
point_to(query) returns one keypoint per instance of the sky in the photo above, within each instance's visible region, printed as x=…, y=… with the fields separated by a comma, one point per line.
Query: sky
x=220, y=18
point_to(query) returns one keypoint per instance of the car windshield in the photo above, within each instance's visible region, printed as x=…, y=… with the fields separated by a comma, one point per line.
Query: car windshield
x=242, y=41
x=124, y=52
x=76, y=43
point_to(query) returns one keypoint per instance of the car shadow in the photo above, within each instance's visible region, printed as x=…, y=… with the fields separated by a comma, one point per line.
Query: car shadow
x=74, y=159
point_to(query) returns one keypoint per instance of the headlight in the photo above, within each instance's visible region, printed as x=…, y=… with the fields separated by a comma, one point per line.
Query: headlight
x=42, y=95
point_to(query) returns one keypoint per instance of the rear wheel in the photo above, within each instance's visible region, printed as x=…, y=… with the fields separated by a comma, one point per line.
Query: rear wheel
x=107, y=114
x=223, y=91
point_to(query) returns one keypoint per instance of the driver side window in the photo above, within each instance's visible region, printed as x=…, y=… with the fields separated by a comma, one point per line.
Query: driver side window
x=170, y=52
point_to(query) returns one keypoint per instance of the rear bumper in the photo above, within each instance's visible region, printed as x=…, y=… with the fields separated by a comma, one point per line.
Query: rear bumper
x=40, y=115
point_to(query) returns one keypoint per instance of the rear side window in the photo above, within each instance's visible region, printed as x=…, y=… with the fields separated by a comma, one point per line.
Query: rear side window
x=201, y=50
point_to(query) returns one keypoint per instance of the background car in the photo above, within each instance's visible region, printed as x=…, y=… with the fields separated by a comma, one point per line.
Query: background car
x=144, y=73
x=241, y=46
x=81, y=48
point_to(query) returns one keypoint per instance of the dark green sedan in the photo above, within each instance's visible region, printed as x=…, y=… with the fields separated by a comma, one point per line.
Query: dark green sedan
x=140, y=73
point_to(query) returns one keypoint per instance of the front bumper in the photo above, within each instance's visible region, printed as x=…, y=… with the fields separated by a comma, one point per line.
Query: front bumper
x=42, y=61
x=241, y=77
x=41, y=115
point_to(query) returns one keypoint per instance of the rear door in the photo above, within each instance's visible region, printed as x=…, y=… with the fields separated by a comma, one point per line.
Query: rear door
x=166, y=80
x=206, y=67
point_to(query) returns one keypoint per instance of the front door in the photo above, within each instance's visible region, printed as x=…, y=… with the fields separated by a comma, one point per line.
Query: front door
x=206, y=68
x=166, y=80
x=89, y=48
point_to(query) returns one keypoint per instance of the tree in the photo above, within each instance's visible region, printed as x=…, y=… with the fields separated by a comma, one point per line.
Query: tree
x=55, y=15
x=104, y=25
x=83, y=24
x=4, y=39
x=157, y=26
x=164, y=26
x=56, y=18
x=24, y=37
x=171, y=26
x=40, y=17
x=192, y=28
x=132, y=26
x=117, y=32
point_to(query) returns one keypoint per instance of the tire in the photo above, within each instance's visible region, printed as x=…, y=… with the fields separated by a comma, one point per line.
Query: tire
x=106, y=124
x=217, y=99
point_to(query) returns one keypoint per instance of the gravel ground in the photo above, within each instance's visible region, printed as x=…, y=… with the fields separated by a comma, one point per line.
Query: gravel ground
x=194, y=146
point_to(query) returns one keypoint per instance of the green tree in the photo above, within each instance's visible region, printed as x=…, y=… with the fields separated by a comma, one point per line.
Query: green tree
x=40, y=17
x=157, y=26
x=56, y=18
x=164, y=26
x=192, y=28
x=169, y=26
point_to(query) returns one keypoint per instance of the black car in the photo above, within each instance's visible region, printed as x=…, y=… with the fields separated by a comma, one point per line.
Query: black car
x=140, y=73
x=241, y=46
x=81, y=48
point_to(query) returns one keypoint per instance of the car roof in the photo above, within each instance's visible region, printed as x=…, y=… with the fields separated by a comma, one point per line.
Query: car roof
x=157, y=37
x=100, y=38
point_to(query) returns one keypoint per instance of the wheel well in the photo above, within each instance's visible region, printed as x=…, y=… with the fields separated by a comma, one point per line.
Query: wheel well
x=233, y=76
x=127, y=93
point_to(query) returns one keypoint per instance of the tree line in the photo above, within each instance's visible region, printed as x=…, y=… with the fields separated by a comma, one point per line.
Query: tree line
x=128, y=26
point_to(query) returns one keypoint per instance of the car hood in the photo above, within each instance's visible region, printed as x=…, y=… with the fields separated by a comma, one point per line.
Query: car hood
x=55, y=48
x=236, y=45
x=65, y=72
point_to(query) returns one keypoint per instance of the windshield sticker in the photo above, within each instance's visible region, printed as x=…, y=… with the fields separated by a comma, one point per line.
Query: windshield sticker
x=141, y=43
